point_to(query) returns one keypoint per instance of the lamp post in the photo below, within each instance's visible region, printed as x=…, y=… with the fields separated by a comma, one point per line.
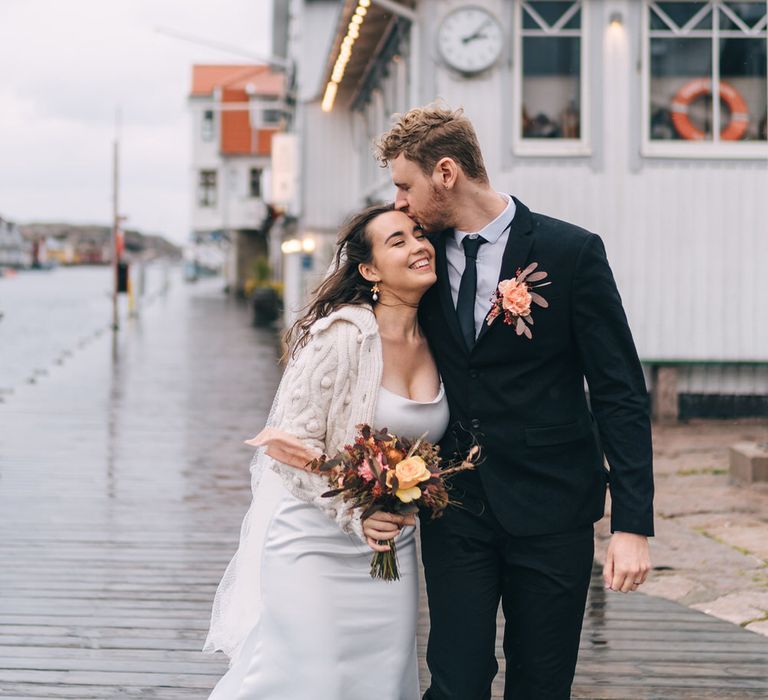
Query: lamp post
x=298, y=256
x=115, y=221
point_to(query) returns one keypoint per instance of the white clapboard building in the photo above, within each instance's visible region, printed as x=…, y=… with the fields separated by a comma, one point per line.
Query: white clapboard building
x=598, y=112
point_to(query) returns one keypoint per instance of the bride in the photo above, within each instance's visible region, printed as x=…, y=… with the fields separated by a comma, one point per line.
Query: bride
x=297, y=611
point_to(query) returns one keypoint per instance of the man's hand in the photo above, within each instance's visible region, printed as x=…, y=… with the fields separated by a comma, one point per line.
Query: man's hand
x=284, y=447
x=627, y=562
x=384, y=526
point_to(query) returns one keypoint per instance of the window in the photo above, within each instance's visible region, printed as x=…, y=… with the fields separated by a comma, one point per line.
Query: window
x=266, y=112
x=254, y=187
x=207, y=128
x=206, y=188
x=271, y=117
x=550, y=79
x=694, y=50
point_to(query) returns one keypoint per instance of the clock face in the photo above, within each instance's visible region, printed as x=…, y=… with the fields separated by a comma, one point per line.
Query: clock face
x=470, y=39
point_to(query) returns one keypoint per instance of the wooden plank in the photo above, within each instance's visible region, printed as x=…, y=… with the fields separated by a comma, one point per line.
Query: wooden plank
x=106, y=678
x=140, y=641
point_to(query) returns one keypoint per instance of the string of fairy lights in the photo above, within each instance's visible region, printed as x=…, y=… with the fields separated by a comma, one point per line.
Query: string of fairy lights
x=345, y=53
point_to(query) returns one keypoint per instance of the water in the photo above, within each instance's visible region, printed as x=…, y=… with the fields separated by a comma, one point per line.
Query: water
x=48, y=315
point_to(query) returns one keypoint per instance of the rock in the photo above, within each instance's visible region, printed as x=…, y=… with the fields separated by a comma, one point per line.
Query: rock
x=749, y=462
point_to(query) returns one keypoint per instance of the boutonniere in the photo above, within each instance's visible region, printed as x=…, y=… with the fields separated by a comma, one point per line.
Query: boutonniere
x=513, y=298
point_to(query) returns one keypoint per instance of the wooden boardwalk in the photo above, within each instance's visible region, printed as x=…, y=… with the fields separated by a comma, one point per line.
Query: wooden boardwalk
x=122, y=486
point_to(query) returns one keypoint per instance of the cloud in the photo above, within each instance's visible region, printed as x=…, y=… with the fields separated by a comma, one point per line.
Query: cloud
x=72, y=64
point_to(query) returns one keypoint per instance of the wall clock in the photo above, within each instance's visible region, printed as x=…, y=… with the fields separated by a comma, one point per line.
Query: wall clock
x=470, y=39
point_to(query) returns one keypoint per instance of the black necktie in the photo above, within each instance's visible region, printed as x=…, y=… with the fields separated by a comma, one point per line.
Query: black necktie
x=465, y=304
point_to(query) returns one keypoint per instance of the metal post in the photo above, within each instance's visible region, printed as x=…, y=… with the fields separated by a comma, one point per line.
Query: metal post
x=292, y=288
x=115, y=224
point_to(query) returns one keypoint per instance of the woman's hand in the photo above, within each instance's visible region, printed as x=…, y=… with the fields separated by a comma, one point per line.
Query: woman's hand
x=284, y=447
x=384, y=526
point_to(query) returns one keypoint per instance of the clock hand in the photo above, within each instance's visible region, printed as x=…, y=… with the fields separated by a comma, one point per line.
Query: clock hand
x=473, y=37
x=477, y=34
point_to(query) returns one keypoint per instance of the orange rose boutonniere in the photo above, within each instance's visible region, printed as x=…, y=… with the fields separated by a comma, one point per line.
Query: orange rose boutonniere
x=513, y=298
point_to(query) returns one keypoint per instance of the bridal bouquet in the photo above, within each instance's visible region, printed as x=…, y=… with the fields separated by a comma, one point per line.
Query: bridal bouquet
x=384, y=472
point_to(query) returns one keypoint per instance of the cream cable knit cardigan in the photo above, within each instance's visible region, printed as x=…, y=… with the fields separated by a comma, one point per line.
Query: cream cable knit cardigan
x=328, y=388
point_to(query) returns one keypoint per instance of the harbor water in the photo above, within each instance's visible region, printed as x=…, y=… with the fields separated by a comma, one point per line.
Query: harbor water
x=47, y=315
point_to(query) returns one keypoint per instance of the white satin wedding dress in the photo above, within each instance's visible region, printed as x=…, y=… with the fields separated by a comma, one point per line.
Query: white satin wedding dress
x=326, y=630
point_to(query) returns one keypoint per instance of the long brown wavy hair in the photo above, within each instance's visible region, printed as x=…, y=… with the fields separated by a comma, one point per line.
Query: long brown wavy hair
x=345, y=285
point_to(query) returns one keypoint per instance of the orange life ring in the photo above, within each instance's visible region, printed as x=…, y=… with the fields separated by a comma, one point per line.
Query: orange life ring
x=691, y=91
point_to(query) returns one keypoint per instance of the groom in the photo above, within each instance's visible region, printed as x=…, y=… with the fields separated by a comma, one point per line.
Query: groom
x=523, y=535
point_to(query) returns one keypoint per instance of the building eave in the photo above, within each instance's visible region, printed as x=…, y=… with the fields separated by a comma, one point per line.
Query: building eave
x=377, y=25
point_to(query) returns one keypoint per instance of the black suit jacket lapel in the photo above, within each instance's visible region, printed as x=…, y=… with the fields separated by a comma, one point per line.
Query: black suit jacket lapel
x=444, y=287
x=515, y=253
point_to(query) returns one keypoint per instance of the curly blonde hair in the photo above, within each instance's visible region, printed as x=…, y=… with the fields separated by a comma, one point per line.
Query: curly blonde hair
x=427, y=134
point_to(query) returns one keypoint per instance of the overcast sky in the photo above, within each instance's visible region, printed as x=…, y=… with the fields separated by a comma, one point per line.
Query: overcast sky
x=66, y=65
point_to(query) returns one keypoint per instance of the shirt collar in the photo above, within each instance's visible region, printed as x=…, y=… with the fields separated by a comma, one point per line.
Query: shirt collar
x=492, y=231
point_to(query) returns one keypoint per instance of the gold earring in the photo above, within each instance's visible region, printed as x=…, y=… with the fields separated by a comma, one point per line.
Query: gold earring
x=375, y=291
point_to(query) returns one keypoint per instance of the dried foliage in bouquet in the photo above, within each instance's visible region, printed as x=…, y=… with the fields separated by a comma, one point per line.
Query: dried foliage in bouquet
x=385, y=472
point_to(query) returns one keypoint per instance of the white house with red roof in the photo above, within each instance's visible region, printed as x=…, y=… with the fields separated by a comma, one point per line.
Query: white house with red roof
x=235, y=110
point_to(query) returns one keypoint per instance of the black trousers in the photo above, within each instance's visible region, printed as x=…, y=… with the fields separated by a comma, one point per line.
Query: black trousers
x=470, y=564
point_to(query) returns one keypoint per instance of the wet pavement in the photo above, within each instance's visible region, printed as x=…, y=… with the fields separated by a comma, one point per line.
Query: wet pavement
x=123, y=482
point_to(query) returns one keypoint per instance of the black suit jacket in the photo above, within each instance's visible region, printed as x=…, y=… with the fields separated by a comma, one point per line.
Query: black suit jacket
x=523, y=399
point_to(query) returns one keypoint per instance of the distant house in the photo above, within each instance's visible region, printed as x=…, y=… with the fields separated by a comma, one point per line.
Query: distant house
x=235, y=111
x=14, y=250
x=599, y=112
x=60, y=250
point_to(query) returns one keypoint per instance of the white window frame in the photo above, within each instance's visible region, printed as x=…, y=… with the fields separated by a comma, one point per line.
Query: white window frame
x=694, y=149
x=259, y=106
x=208, y=126
x=260, y=170
x=203, y=201
x=551, y=147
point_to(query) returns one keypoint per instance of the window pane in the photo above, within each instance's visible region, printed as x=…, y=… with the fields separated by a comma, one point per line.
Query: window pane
x=680, y=12
x=574, y=22
x=679, y=67
x=207, y=131
x=749, y=12
x=549, y=10
x=657, y=22
x=743, y=73
x=255, y=182
x=529, y=22
x=270, y=117
x=206, y=189
x=551, y=87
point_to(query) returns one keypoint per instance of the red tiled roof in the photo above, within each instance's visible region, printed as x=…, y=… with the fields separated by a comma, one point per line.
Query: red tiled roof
x=205, y=78
x=237, y=137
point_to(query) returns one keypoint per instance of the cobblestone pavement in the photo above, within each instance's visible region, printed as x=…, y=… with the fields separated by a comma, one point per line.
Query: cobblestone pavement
x=123, y=482
x=711, y=548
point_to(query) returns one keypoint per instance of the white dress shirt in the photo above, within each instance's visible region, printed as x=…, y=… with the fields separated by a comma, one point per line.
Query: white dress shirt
x=488, y=260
